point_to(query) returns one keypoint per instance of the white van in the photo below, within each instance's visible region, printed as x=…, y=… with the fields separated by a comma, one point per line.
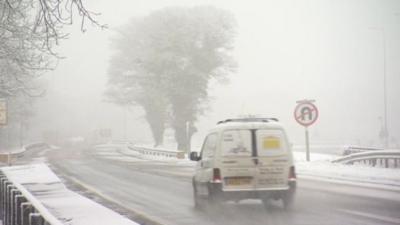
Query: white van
x=244, y=159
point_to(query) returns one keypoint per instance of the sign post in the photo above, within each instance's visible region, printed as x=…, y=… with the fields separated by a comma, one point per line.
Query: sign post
x=306, y=113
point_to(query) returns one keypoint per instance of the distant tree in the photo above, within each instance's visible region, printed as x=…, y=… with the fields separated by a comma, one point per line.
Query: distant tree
x=129, y=87
x=126, y=91
x=170, y=56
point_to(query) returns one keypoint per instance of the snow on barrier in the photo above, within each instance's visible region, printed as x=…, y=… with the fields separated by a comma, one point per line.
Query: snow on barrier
x=374, y=158
x=157, y=151
x=357, y=149
x=34, y=195
x=7, y=156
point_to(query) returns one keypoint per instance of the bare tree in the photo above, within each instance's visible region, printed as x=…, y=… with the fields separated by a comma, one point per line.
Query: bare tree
x=29, y=30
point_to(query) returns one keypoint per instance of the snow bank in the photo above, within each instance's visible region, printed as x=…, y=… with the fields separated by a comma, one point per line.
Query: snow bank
x=12, y=151
x=51, y=196
x=321, y=167
x=29, y=174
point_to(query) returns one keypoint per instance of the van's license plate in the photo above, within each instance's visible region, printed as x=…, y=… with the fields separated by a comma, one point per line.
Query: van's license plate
x=238, y=181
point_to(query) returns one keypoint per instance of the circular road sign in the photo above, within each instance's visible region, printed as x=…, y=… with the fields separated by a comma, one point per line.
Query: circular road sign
x=306, y=113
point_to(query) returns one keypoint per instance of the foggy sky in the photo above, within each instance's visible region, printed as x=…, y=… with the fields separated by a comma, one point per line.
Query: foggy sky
x=330, y=51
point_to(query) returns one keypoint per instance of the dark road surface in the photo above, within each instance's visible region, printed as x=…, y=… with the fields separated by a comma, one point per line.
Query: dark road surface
x=162, y=192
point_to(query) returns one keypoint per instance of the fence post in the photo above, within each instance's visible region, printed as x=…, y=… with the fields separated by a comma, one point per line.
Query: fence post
x=35, y=219
x=4, y=197
x=19, y=199
x=14, y=192
x=8, y=201
x=26, y=209
x=2, y=181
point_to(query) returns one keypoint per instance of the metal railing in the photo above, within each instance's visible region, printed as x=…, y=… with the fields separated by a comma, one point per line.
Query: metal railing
x=10, y=155
x=157, y=152
x=357, y=149
x=385, y=158
x=20, y=207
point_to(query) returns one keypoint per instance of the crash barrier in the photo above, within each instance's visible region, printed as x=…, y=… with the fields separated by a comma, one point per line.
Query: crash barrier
x=383, y=158
x=357, y=149
x=37, y=146
x=19, y=207
x=157, y=152
x=6, y=156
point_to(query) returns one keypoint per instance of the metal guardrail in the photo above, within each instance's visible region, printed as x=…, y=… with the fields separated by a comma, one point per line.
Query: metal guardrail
x=8, y=156
x=157, y=152
x=20, y=207
x=357, y=149
x=374, y=158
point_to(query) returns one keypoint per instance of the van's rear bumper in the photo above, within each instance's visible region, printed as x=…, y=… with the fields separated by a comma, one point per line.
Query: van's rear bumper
x=216, y=192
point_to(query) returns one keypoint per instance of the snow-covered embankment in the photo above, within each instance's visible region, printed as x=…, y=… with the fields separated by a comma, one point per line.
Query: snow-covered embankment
x=57, y=204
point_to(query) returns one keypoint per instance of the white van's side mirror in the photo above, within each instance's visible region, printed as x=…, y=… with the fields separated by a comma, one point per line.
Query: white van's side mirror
x=194, y=156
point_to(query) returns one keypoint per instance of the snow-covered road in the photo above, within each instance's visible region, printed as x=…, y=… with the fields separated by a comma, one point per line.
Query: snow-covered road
x=162, y=192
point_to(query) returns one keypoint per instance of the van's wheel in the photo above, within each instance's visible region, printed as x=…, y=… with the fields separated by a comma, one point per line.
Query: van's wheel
x=287, y=201
x=204, y=202
x=288, y=197
x=200, y=202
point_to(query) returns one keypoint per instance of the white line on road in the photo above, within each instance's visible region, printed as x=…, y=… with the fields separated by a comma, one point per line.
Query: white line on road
x=110, y=199
x=371, y=216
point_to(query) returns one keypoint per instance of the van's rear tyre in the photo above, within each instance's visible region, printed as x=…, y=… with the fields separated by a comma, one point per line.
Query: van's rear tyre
x=200, y=202
x=288, y=199
x=287, y=202
x=206, y=202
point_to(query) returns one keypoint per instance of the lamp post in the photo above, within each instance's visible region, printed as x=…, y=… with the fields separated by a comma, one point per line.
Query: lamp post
x=384, y=133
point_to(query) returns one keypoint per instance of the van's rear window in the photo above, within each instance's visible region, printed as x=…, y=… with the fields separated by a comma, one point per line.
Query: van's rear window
x=236, y=143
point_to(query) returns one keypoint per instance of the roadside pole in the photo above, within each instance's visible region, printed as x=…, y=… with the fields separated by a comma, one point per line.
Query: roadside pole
x=187, y=137
x=307, y=145
x=306, y=113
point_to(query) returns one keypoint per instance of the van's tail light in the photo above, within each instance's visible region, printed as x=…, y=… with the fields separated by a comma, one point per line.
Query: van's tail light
x=292, y=174
x=216, y=175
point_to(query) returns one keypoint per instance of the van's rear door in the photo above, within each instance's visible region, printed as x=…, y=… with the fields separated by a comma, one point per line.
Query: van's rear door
x=237, y=164
x=273, y=159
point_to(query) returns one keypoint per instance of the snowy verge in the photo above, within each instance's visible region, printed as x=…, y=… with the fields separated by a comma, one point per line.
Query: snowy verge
x=28, y=147
x=55, y=202
x=321, y=168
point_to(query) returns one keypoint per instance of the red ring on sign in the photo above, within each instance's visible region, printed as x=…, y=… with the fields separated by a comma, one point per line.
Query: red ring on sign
x=314, y=109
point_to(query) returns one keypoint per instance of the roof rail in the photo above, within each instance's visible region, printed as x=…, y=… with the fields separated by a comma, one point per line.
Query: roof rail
x=265, y=120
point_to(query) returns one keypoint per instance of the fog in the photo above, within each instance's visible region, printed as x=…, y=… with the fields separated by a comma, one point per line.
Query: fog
x=330, y=51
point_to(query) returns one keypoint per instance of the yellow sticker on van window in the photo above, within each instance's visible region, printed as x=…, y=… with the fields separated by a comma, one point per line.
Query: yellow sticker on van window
x=271, y=143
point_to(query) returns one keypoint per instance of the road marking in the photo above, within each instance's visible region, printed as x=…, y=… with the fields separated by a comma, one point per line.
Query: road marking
x=371, y=216
x=95, y=191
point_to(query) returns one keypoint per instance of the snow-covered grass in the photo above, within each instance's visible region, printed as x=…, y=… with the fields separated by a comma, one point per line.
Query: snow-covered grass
x=54, y=201
x=16, y=150
x=321, y=167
